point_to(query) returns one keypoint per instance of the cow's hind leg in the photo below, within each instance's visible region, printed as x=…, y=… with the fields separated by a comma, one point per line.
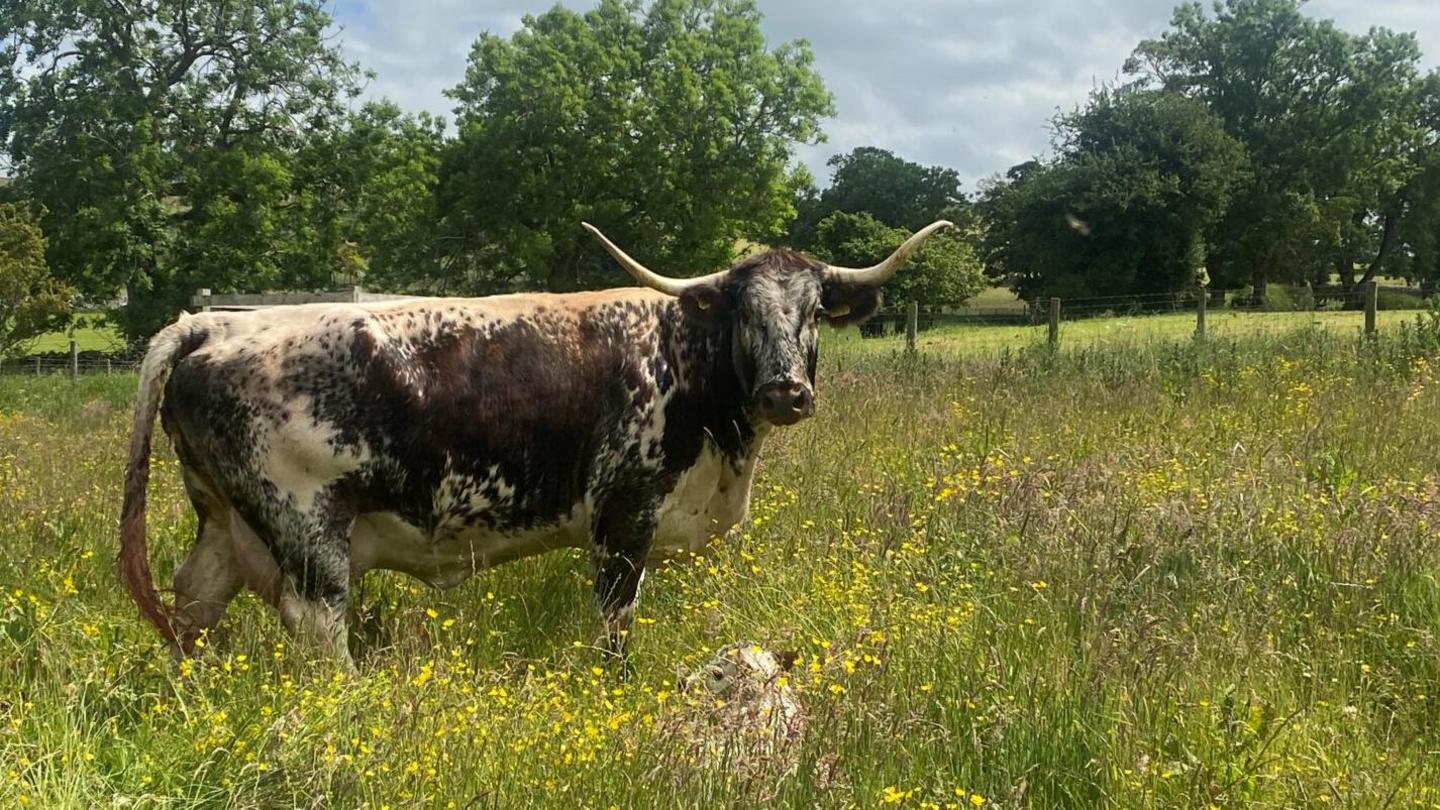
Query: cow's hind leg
x=208, y=578
x=256, y=564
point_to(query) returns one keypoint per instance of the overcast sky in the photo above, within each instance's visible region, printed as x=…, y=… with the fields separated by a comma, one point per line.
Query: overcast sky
x=970, y=84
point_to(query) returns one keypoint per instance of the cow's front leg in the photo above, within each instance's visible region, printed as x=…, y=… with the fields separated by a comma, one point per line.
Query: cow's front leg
x=623, y=534
x=313, y=555
x=617, y=592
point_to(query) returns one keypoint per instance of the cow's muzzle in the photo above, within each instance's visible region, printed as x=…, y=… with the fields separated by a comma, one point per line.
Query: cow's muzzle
x=785, y=402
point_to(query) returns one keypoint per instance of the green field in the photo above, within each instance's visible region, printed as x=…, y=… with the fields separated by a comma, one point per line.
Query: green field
x=1144, y=573
x=93, y=335
x=1123, y=332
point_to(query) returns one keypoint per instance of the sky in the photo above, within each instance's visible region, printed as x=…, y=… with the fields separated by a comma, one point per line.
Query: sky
x=969, y=84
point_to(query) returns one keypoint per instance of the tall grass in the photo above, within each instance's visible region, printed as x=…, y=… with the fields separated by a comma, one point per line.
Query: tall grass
x=1168, y=575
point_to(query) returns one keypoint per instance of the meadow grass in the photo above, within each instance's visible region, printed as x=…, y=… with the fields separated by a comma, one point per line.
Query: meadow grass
x=1157, y=575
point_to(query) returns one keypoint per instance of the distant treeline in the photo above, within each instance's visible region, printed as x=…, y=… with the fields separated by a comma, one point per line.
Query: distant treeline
x=171, y=145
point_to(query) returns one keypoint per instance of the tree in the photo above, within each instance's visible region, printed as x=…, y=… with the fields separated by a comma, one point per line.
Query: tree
x=1417, y=230
x=160, y=137
x=1381, y=163
x=31, y=301
x=999, y=207
x=895, y=191
x=1323, y=116
x=1125, y=207
x=669, y=126
x=944, y=272
x=376, y=179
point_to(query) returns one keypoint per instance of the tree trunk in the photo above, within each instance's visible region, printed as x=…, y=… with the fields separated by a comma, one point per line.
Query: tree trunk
x=1387, y=243
x=1259, y=278
x=1344, y=278
x=1353, y=289
x=1344, y=268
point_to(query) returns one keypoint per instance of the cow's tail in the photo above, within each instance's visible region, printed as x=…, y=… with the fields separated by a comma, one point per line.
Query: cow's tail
x=166, y=349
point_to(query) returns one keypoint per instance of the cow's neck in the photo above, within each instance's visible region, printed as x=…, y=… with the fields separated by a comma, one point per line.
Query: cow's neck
x=700, y=358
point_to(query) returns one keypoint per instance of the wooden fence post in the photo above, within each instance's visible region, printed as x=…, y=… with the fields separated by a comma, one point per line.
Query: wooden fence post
x=74, y=360
x=108, y=369
x=37, y=365
x=1372, y=302
x=912, y=325
x=1054, y=322
x=1200, y=312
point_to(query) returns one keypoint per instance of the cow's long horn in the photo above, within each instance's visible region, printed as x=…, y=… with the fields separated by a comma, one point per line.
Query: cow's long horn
x=644, y=275
x=881, y=273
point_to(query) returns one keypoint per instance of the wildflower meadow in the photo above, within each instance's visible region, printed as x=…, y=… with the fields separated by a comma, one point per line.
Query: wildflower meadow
x=1168, y=574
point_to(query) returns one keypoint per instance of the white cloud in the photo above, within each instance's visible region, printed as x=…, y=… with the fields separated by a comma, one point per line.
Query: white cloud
x=418, y=50
x=970, y=84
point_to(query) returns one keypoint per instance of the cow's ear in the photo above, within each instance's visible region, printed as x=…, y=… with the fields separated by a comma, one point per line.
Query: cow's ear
x=705, y=303
x=847, y=304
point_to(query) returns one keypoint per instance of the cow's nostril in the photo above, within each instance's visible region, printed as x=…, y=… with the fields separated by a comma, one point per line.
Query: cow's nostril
x=785, y=402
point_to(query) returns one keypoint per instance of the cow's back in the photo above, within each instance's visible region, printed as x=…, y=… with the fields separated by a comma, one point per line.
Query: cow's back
x=502, y=412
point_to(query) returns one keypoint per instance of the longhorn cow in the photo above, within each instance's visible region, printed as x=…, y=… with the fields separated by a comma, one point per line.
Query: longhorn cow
x=441, y=436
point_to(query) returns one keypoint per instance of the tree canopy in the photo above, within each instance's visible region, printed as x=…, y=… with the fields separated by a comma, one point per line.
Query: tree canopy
x=944, y=272
x=896, y=192
x=669, y=126
x=31, y=301
x=175, y=144
x=1328, y=121
x=161, y=138
x=1125, y=208
x=1417, y=226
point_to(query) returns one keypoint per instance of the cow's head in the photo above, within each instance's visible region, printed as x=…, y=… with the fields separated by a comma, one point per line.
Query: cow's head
x=771, y=305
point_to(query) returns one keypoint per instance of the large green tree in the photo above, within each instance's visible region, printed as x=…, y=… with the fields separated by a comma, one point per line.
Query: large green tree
x=669, y=125
x=898, y=193
x=1000, y=203
x=1125, y=207
x=161, y=137
x=32, y=302
x=1417, y=231
x=375, y=181
x=1327, y=122
x=1380, y=163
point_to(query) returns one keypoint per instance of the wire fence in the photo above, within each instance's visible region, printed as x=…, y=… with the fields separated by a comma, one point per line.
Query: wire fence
x=1130, y=319
x=51, y=364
